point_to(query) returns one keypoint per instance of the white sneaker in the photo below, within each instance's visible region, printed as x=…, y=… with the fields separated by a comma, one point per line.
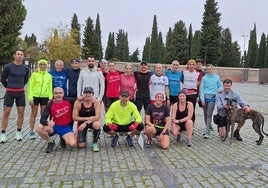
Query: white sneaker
x=18, y=136
x=3, y=138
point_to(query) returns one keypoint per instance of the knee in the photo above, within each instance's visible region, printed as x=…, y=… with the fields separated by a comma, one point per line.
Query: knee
x=73, y=143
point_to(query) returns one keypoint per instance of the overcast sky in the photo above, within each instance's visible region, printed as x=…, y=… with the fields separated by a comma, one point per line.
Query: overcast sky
x=136, y=17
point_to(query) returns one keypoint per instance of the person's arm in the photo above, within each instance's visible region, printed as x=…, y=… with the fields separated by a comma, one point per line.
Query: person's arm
x=136, y=114
x=30, y=88
x=167, y=121
x=173, y=113
x=46, y=114
x=245, y=106
x=109, y=115
x=4, y=76
x=26, y=76
x=97, y=107
x=102, y=85
x=79, y=85
x=75, y=113
x=50, y=87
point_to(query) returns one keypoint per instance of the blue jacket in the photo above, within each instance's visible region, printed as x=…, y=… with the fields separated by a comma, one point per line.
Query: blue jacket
x=59, y=79
x=210, y=85
x=72, y=76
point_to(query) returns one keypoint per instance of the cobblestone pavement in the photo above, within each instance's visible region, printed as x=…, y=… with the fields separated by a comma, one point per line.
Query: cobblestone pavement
x=209, y=163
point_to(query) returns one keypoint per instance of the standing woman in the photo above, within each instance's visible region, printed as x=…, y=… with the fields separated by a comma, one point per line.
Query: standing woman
x=128, y=81
x=39, y=92
x=210, y=86
x=181, y=118
x=157, y=120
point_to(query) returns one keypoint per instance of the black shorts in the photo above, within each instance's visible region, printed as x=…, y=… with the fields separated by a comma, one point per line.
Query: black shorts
x=125, y=128
x=109, y=101
x=159, y=131
x=223, y=122
x=19, y=98
x=40, y=100
x=173, y=99
x=182, y=126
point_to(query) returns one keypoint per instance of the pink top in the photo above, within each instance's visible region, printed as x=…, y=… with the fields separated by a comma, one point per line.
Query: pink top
x=113, y=84
x=128, y=83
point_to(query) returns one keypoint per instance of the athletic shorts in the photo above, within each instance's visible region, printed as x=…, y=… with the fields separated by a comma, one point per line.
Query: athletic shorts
x=223, y=122
x=173, y=99
x=62, y=130
x=109, y=101
x=18, y=97
x=40, y=100
x=125, y=128
x=159, y=131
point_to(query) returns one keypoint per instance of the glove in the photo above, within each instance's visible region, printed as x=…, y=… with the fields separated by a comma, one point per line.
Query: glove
x=113, y=127
x=133, y=126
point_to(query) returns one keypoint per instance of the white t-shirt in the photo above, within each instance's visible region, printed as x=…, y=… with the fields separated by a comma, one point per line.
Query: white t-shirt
x=158, y=84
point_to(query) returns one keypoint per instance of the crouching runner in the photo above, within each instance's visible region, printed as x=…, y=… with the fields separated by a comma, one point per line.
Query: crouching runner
x=59, y=112
x=123, y=116
x=87, y=113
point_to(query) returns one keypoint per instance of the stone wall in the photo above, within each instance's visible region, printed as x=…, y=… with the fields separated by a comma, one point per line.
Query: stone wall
x=235, y=74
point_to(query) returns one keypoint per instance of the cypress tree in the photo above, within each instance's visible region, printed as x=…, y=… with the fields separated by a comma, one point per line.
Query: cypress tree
x=98, y=36
x=146, y=50
x=252, y=49
x=76, y=28
x=13, y=14
x=154, y=51
x=89, y=41
x=211, y=33
x=196, y=45
x=261, y=52
x=110, y=49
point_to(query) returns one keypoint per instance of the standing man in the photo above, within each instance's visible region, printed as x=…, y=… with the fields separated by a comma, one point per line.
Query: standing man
x=72, y=76
x=59, y=112
x=91, y=77
x=14, y=77
x=39, y=92
x=175, y=77
x=142, y=91
x=59, y=77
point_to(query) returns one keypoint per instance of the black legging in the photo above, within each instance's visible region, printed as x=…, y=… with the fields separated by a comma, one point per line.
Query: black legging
x=192, y=98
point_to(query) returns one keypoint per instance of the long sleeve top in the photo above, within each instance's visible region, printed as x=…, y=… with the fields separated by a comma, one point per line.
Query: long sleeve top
x=14, y=76
x=40, y=85
x=122, y=115
x=91, y=78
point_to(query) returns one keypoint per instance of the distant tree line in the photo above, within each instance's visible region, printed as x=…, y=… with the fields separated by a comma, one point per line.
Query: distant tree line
x=212, y=43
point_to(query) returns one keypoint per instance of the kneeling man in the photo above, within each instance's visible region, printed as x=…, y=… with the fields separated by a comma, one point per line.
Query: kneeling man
x=59, y=112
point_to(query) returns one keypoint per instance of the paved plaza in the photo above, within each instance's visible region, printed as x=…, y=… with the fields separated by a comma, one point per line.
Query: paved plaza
x=208, y=163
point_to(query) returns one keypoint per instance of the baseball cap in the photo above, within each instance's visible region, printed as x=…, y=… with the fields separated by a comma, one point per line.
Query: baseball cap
x=74, y=60
x=124, y=93
x=88, y=89
x=143, y=63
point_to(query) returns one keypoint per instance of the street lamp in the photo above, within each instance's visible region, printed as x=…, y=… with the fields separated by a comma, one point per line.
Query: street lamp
x=244, y=59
